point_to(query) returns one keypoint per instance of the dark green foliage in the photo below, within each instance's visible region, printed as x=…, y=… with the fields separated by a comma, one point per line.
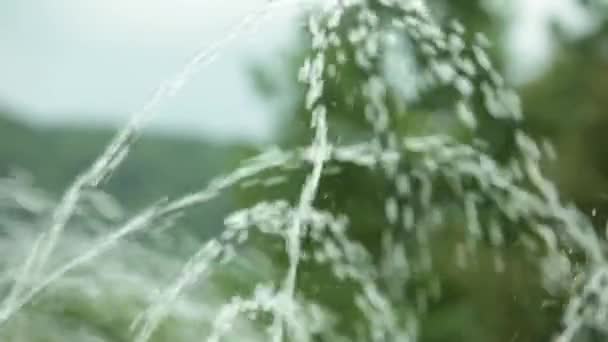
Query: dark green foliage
x=567, y=104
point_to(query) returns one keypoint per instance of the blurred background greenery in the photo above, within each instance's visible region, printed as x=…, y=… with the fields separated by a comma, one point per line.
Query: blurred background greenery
x=564, y=100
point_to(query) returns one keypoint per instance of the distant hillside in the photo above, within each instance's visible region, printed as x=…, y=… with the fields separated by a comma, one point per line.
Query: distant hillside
x=156, y=166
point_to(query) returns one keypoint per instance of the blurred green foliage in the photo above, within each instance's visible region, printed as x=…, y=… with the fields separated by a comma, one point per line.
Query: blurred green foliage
x=567, y=104
x=157, y=166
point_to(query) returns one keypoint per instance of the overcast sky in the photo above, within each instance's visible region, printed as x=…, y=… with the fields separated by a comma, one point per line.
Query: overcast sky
x=97, y=61
x=90, y=61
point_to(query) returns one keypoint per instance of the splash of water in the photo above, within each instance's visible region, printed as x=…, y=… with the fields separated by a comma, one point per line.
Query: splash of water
x=516, y=191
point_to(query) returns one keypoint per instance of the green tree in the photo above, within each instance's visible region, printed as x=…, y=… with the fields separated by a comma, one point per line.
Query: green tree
x=479, y=303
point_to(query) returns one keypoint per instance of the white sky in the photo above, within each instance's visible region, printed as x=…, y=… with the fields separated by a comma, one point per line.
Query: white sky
x=98, y=60
x=529, y=36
